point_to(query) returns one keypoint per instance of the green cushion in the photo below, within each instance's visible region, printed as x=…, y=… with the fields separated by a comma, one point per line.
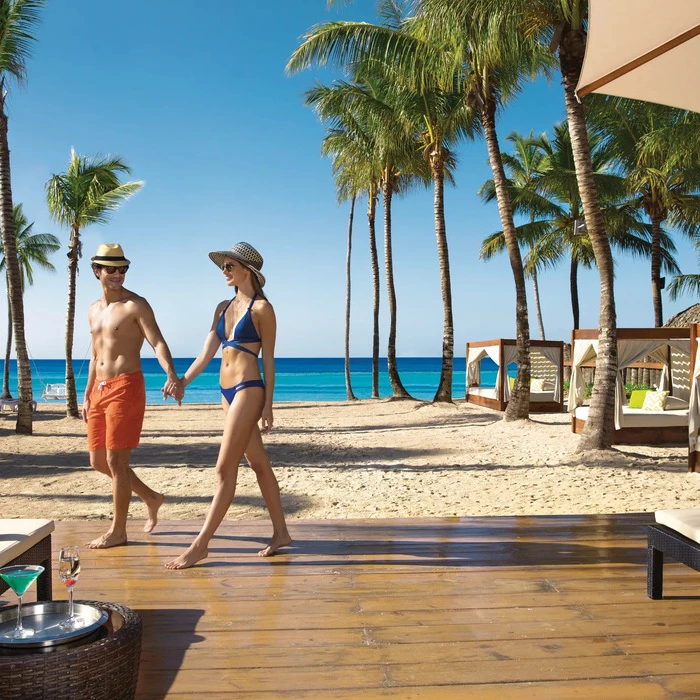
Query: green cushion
x=637, y=398
x=511, y=382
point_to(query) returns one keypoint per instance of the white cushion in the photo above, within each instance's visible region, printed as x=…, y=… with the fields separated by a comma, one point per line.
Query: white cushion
x=655, y=401
x=687, y=521
x=18, y=535
x=673, y=403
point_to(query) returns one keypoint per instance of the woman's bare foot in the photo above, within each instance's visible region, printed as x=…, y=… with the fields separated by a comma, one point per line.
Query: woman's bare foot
x=276, y=542
x=110, y=539
x=153, y=508
x=188, y=558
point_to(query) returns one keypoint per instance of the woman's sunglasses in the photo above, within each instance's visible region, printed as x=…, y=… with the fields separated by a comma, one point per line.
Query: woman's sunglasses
x=121, y=270
x=227, y=267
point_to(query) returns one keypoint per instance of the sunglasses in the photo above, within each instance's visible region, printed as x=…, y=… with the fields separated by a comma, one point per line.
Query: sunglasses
x=227, y=267
x=121, y=270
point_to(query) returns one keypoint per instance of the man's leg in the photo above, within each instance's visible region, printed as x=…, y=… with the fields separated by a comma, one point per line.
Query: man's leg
x=152, y=499
x=118, y=463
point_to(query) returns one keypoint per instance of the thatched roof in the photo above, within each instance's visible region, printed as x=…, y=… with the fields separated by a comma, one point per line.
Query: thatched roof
x=685, y=318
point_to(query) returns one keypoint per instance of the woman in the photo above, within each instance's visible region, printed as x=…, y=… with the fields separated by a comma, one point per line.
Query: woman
x=243, y=326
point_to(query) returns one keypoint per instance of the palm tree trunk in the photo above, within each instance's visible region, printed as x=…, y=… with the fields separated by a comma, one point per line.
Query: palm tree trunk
x=397, y=388
x=374, y=260
x=444, y=390
x=538, y=308
x=14, y=279
x=519, y=403
x=73, y=254
x=597, y=434
x=348, y=286
x=8, y=350
x=573, y=288
x=656, y=222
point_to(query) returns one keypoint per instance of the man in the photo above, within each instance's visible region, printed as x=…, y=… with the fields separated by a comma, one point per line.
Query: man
x=115, y=395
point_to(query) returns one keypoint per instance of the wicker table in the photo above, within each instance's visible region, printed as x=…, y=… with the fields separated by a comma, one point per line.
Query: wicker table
x=104, y=669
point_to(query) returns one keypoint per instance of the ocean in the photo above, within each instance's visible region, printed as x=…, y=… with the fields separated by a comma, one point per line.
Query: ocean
x=297, y=378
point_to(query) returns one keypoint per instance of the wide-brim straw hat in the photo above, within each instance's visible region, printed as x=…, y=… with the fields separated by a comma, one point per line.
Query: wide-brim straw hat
x=110, y=255
x=245, y=254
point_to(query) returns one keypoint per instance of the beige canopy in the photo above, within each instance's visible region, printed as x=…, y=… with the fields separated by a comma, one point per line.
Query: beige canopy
x=645, y=50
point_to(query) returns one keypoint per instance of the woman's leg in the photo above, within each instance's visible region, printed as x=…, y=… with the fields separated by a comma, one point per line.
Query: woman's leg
x=259, y=462
x=241, y=418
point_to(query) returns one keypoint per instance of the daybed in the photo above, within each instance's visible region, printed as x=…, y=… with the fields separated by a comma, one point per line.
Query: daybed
x=668, y=346
x=547, y=371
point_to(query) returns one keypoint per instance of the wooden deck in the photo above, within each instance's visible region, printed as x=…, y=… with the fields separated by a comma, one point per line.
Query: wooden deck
x=502, y=607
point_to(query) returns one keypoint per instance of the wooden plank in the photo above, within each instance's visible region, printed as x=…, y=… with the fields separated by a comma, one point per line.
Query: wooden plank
x=551, y=607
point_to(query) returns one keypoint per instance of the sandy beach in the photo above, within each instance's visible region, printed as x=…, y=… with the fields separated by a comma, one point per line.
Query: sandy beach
x=349, y=460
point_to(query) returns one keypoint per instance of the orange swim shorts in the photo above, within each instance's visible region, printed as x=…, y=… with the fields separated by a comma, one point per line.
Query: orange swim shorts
x=115, y=415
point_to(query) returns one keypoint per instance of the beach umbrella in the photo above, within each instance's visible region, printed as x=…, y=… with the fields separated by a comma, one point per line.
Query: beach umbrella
x=645, y=50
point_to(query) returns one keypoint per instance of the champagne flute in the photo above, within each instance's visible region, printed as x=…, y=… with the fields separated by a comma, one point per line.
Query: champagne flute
x=69, y=571
x=19, y=578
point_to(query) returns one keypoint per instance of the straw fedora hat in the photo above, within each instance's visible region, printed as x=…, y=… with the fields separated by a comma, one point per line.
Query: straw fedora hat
x=245, y=254
x=110, y=255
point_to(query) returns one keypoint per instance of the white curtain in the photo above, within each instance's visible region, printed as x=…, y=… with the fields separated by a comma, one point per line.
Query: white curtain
x=510, y=355
x=583, y=351
x=555, y=356
x=474, y=358
x=474, y=366
x=694, y=412
x=660, y=354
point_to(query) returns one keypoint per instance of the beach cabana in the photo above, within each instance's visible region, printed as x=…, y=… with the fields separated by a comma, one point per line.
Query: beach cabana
x=670, y=348
x=694, y=401
x=547, y=372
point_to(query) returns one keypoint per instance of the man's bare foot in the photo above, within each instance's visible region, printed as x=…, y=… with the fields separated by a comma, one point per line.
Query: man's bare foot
x=188, y=558
x=276, y=542
x=107, y=540
x=153, y=508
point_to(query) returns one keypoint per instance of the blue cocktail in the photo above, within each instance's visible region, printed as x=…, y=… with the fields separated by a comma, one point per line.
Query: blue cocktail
x=19, y=578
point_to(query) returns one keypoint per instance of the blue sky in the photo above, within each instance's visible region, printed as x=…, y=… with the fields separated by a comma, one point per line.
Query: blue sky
x=194, y=97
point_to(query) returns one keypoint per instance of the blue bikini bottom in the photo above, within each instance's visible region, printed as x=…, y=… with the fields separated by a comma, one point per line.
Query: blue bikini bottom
x=229, y=392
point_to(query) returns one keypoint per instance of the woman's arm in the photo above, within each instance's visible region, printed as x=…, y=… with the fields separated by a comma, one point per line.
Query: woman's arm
x=211, y=345
x=268, y=335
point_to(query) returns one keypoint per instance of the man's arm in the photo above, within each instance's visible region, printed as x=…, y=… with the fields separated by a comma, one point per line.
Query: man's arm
x=89, y=385
x=151, y=332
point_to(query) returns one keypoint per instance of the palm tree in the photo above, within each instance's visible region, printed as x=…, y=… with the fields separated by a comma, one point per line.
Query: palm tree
x=440, y=119
x=31, y=248
x=373, y=99
x=18, y=19
x=351, y=147
x=555, y=200
x=522, y=166
x=561, y=26
x=350, y=171
x=87, y=193
x=661, y=182
x=686, y=284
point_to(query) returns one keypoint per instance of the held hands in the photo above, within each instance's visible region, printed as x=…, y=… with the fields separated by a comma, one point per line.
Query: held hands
x=174, y=387
x=266, y=420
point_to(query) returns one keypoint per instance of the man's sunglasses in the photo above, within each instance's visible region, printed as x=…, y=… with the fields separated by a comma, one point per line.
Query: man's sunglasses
x=227, y=267
x=121, y=270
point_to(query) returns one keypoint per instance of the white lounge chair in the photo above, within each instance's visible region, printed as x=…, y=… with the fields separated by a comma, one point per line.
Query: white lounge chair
x=54, y=391
x=12, y=404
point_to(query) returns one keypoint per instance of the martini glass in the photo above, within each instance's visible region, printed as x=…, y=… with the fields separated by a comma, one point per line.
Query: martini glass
x=69, y=571
x=19, y=578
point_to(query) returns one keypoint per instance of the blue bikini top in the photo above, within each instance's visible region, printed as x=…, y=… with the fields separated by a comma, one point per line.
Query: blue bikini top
x=244, y=332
